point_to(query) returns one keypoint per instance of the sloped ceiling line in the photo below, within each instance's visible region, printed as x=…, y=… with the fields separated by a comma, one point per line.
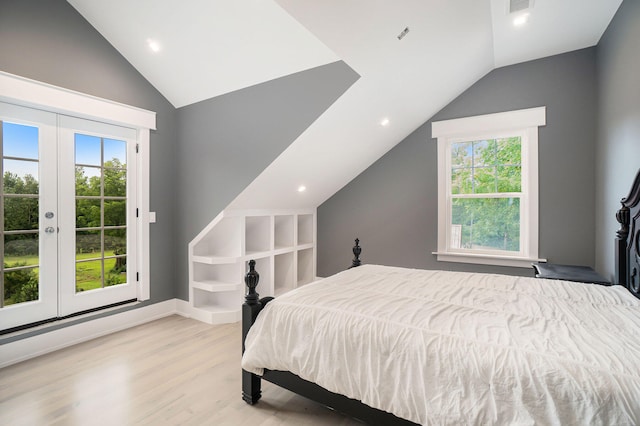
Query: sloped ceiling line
x=211, y=47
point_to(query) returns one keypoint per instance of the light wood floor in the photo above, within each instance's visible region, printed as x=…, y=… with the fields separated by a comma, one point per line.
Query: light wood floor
x=173, y=371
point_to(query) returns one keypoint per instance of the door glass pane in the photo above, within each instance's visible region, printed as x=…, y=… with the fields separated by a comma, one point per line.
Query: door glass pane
x=115, y=213
x=101, y=215
x=88, y=150
x=88, y=180
x=115, y=182
x=115, y=151
x=88, y=244
x=20, y=285
x=19, y=274
x=20, y=176
x=116, y=269
x=20, y=213
x=88, y=213
x=88, y=275
x=20, y=141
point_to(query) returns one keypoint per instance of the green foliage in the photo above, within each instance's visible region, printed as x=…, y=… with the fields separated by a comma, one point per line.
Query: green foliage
x=20, y=285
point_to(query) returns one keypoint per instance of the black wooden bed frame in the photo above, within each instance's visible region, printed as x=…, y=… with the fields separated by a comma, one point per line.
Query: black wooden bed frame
x=627, y=273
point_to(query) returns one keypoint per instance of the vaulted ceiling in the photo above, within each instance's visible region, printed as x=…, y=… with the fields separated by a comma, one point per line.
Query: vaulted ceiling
x=206, y=48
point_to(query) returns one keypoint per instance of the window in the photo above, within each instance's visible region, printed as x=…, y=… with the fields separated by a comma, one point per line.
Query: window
x=488, y=188
x=74, y=185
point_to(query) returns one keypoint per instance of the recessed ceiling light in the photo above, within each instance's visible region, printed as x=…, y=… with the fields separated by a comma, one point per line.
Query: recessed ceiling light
x=153, y=45
x=520, y=20
x=302, y=188
x=384, y=122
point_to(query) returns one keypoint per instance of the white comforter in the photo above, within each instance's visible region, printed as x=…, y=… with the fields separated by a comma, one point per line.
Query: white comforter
x=439, y=347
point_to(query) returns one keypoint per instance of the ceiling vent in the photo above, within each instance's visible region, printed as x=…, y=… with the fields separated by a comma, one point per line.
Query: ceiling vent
x=519, y=5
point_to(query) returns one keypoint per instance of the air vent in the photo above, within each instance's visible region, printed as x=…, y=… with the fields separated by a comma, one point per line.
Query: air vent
x=519, y=5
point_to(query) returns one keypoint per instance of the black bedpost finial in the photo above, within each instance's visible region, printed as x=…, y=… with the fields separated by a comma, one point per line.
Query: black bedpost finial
x=624, y=217
x=356, y=254
x=251, y=280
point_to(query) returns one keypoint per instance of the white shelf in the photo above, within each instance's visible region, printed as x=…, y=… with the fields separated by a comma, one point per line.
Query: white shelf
x=215, y=260
x=216, y=286
x=281, y=242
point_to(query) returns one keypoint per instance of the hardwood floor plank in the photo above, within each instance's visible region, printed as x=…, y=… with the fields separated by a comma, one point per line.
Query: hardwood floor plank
x=173, y=371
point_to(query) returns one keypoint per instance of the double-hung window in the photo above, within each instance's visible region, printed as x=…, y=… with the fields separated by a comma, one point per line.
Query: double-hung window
x=488, y=188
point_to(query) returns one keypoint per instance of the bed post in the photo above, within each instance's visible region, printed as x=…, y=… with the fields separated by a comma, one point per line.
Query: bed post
x=627, y=247
x=251, y=384
x=621, y=253
x=356, y=254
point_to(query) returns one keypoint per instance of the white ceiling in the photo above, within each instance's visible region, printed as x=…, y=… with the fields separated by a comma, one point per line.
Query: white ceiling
x=212, y=47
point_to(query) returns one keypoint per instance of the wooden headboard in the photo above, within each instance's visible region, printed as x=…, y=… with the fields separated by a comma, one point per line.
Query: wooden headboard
x=628, y=240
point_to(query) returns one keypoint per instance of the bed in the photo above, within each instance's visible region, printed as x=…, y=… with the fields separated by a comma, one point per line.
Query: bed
x=395, y=346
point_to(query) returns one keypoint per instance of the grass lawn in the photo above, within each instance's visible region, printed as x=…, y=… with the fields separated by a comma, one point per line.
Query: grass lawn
x=88, y=274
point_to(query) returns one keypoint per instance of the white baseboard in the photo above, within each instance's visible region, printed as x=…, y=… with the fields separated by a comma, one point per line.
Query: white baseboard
x=31, y=347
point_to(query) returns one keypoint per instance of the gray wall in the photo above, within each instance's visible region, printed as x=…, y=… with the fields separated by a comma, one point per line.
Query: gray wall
x=202, y=155
x=392, y=206
x=227, y=141
x=618, y=147
x=47, y=40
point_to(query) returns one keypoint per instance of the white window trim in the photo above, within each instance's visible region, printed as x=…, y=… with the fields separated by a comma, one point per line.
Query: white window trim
x=522, y=122
x=31, y=93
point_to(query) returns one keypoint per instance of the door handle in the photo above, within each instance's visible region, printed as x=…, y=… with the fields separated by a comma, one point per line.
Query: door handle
x=49, y=229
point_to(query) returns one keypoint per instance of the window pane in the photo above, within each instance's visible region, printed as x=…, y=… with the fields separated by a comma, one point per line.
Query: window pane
x=20, y=286
x=115, y=213
x=88, y=275
x=509, y=151
x=484, y=153
x=116, y=271
x=88, y=150
x=484, y=180
x=87, y=213
x=88, y=181
x=20, y=250
x=19, y=140
x=461, y=182
x=461, y=154
x=115, y=153
x=115, y=183
x=509, y=178
x=486, y=223
x=20, y=177
x=115, y=242
x=20, y=214
x=88, y=244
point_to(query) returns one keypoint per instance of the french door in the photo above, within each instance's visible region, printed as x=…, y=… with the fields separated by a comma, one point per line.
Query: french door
x=68, y=219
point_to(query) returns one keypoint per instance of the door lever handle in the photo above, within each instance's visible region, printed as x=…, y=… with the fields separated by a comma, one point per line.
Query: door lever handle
x=49, y=229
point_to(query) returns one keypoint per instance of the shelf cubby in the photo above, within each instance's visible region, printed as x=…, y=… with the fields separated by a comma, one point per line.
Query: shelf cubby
x=222, y=277
x=257, y=234
x=305, y=229
x=305, y=266
x=283, y=273
x=283, y=231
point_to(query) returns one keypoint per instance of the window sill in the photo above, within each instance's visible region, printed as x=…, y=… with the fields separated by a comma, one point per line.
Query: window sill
x=487, y=259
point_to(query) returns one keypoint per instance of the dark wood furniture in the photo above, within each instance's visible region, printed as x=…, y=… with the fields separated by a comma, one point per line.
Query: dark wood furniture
x=627, y=247
x=583, y=274
x=627, y=273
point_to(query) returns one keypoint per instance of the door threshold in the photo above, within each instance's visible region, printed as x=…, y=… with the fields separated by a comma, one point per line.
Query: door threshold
x=27, y=328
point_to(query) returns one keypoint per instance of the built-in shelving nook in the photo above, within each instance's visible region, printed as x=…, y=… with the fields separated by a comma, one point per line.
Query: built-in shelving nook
x=283, y=244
